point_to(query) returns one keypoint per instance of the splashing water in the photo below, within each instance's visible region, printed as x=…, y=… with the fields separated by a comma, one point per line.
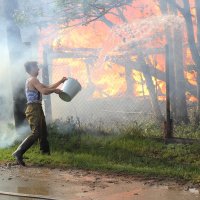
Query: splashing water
x=141, y=34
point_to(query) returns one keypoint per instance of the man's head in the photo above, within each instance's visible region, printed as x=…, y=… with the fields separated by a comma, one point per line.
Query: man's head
x=31, y=68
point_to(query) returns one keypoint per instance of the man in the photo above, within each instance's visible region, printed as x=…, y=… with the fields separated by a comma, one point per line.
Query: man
x=34, y=113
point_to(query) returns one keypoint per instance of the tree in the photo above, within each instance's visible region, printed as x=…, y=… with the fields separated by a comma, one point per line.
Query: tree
x=65, y=12
x=186, y=13
x=176, y=70
x=15, y=49
x=169, y=40
x=180, y=82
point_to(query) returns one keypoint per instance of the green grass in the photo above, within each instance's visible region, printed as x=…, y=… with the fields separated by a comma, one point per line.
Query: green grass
x=133, y=152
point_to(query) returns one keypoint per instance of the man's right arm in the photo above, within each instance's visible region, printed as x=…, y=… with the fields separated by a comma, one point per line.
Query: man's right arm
x=43, y=88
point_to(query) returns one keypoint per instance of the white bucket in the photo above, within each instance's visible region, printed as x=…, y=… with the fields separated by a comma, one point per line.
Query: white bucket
x=69, y=89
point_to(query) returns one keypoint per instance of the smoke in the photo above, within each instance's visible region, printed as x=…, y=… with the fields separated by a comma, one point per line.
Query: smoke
x=17, y=45
x=10, y=136
x=109, y=109
x=5, y=81
x=10, y=78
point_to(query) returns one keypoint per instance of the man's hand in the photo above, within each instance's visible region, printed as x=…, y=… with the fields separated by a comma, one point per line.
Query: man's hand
x=63, y=79
x=57, y=91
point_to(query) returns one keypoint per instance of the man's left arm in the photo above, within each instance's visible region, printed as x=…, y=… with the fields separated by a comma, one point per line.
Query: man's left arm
x=55, y=85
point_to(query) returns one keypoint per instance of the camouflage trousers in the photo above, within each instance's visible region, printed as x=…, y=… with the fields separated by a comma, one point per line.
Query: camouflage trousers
x=36, y=119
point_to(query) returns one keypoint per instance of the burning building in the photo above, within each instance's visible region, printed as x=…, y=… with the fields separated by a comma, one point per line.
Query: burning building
x=120, y=59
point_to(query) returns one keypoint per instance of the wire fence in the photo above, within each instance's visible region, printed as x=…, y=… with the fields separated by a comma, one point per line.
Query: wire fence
x=109, y=112
x=106, y=111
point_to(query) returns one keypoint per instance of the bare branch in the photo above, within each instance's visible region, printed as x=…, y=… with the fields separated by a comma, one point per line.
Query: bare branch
x=68, y=12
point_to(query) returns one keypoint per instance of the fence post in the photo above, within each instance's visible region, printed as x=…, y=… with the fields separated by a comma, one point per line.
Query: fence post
x=168, y=130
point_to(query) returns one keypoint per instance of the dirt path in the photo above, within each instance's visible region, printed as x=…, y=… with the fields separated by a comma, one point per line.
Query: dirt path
x=85, y=185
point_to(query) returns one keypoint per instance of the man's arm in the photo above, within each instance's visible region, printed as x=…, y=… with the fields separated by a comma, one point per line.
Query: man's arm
x=55, y=85
x=43, y=88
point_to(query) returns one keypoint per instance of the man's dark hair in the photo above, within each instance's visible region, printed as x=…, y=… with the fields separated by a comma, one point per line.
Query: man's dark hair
x=29, y=65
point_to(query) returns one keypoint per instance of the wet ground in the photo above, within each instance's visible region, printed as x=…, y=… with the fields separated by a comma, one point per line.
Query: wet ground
x=43, y=183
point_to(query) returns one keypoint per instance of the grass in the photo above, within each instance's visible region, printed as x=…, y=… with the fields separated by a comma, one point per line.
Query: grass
x=133, y=152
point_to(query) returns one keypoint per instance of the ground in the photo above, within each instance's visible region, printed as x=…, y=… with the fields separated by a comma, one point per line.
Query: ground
x=45, y=183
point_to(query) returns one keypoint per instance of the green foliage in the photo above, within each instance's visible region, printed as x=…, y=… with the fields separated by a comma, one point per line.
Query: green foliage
x=133, y=151
x=187, y=131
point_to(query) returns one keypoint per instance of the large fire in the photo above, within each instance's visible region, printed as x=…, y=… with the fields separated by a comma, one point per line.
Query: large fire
x=91, y=45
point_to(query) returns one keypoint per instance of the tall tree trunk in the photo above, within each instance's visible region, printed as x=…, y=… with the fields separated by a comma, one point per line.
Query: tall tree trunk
x=193, y=48
x=151, y=89
x=169, y=38
x=15, y=48
x=181, y=105
x=197, y=3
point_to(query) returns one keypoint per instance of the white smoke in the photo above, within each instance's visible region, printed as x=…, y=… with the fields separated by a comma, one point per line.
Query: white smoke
x=8, y=134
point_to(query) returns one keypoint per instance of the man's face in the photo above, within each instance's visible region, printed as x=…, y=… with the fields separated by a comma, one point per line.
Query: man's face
x=35, y=71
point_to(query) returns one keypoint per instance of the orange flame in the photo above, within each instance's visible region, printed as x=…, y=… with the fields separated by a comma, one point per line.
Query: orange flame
x=109, y=79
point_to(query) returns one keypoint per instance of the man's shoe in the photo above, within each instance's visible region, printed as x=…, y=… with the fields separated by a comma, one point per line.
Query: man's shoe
x=19, y=159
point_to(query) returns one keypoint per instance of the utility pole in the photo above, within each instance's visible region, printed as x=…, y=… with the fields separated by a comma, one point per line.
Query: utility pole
x=15, y=48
